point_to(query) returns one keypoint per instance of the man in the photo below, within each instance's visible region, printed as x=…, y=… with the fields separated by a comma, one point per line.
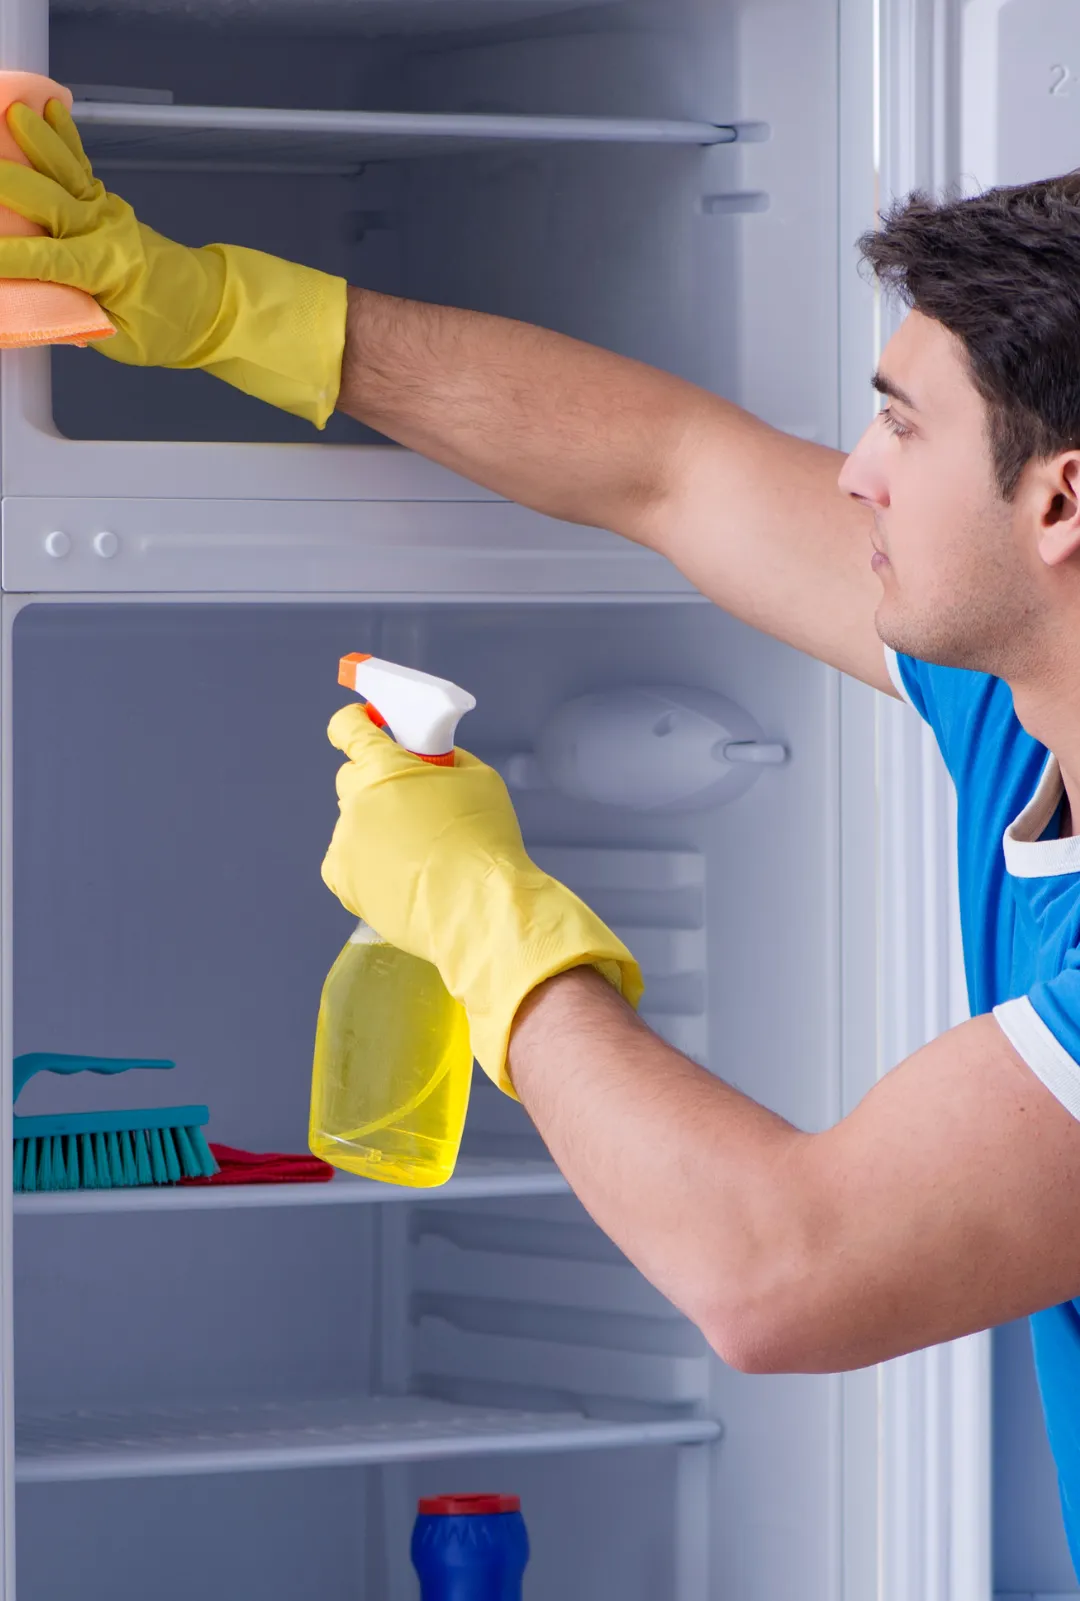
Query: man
x=947, y=569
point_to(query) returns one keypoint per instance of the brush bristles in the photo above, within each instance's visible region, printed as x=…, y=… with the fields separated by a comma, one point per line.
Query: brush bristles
x=112, y=1161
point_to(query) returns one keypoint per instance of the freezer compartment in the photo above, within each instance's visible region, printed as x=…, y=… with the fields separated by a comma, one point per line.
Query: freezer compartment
x=629, y=224
x=345, y=152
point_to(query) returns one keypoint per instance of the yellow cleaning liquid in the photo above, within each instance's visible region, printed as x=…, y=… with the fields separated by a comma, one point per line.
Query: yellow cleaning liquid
x=393, y=1067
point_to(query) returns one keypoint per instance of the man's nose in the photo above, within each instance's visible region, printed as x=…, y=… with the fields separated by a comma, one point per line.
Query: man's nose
x=862, y=475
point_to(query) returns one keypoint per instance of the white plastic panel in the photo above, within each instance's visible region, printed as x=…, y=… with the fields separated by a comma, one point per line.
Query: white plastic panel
x=554, y=1360
x=1021, y=99
x=569, y=1318
x=467, y=548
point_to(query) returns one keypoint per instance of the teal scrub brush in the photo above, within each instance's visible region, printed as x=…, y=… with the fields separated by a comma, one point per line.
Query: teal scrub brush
x=106, y=1150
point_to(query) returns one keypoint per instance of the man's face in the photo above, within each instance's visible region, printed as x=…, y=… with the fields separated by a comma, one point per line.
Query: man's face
x=958, y=587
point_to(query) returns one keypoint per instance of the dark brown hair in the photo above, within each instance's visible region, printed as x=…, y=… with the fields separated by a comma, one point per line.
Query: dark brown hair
x=1001, y=271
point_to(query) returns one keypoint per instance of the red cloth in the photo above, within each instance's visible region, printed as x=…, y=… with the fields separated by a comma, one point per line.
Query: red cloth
x=270, y=1167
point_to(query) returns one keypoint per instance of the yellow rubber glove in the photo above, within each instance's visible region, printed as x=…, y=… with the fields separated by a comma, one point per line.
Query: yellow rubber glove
x=432, y=858
x=269, y=327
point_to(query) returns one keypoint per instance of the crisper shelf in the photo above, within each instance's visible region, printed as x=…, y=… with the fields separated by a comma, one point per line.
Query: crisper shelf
x=476, y=1179
x=174, y=1441
x=243, y=139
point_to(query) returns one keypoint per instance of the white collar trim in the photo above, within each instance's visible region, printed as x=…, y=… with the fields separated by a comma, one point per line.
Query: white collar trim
x=1026, y=854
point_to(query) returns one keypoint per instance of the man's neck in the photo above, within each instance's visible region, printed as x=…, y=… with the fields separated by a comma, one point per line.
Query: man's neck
x=1054, y=720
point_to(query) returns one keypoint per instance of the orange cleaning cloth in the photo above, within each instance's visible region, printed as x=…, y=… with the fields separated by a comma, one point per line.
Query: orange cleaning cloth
x=34, y=313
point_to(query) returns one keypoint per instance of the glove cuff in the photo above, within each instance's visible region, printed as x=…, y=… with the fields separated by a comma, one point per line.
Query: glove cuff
x=280, y=333
x=544, y=929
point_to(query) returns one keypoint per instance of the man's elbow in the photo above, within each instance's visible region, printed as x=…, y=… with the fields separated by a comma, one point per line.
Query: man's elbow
x=782, y=1300
x=796, y=1325
x=752, y=1343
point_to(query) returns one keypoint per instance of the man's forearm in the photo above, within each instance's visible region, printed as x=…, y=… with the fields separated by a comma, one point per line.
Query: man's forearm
x=561, y=426
x=944, y=1202
x=699, y=1185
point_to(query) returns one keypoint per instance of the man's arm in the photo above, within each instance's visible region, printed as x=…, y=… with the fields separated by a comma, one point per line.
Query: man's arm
x=753, y=517
x=944, y=1203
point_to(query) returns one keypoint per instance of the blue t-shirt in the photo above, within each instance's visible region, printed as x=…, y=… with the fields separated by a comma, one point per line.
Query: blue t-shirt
x=1020, y=918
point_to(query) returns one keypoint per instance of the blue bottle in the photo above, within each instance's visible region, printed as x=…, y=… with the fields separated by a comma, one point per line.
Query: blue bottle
x=470, y=1548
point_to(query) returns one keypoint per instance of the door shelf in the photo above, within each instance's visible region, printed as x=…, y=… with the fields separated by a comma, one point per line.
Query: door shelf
x=476, y=1179
x=174, y=1441
x=251, y=139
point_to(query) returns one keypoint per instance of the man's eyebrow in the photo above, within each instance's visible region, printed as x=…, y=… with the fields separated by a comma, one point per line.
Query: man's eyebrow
x=892, y=391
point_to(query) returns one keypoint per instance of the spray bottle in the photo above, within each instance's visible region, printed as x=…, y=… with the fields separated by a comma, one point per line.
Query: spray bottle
x=393, y=1062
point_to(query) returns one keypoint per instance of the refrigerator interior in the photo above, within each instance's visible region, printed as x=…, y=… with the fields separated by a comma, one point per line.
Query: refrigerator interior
x=173, y=797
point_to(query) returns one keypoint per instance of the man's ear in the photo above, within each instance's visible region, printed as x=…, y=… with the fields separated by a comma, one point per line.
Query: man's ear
x=1057, y=486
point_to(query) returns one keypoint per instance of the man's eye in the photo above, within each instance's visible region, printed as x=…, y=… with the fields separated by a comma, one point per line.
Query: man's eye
x=893, y=423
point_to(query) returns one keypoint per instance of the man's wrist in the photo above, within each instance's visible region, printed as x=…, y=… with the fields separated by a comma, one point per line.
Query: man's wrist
x=564, y=1003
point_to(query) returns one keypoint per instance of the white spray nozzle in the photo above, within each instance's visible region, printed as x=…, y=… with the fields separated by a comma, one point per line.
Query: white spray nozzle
x=422, y=711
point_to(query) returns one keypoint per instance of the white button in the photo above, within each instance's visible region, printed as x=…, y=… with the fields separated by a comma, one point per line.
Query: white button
x=106, y=544
x=57, y=543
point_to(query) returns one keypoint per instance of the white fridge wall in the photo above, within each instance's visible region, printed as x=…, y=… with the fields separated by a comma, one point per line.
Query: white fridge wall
x=278, y=1535
x=194, y=1307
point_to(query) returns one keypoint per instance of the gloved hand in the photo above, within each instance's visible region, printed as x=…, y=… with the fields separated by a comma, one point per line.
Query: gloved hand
x=432, y=858
x=268, y=327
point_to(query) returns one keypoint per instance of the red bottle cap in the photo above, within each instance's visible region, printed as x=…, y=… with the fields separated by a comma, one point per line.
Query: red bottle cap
x=457, y=1506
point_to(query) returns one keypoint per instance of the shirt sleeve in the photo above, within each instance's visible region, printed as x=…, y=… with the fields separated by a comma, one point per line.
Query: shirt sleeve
x=1043, y=1027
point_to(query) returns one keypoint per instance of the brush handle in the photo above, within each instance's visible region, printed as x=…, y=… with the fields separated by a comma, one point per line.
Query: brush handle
x=32, y=1062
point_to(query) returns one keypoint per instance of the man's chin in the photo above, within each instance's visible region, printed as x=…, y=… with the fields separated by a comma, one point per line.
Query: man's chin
x=887, y=630
x=894, y=635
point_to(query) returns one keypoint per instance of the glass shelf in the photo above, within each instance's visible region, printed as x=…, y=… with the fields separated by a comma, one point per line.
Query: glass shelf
x=476, y=1178
x=254, y=1436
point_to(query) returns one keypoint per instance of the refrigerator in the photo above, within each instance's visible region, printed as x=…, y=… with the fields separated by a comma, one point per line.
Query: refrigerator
x=242, y=1391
